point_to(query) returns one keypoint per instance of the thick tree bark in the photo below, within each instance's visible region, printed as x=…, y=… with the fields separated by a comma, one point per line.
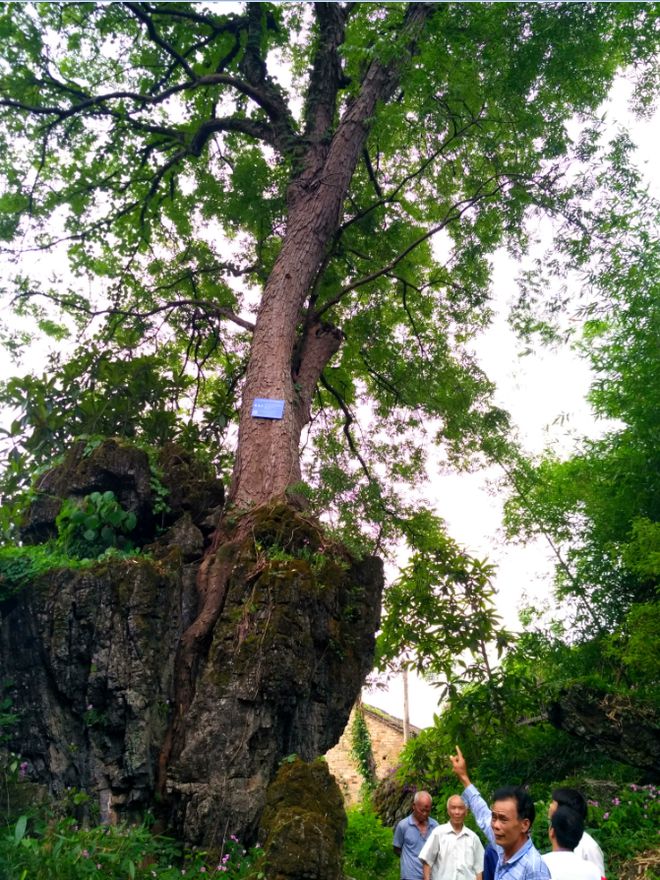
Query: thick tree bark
x=267, y=460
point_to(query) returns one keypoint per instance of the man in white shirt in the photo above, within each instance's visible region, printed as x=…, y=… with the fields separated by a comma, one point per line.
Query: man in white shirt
x=453, y=852
x=564, y=863
x=587, y=848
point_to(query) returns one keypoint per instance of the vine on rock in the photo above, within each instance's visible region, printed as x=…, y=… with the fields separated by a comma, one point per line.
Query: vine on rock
x=362, y=751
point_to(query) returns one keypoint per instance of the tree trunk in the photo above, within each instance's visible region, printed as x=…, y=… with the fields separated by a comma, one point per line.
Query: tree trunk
x=267, y=459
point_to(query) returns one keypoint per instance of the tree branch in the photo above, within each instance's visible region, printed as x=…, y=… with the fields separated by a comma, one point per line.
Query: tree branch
x=326, y=76
x=318, y=344
x=380, y=379
x=417, y=172
x=372, y=177
x=405, y=285
x=157, y=39
x=250, y=127
x=348, y=421
x=455, y=213
x=222, y=312
x=524, y=497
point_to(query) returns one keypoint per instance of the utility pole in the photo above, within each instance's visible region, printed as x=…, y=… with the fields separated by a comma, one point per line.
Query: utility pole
x=406, y=714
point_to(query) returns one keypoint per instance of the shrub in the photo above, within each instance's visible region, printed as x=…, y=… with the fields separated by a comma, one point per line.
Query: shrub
x=626, y=823
x=368, y=853
x=89, y=527
x=88, y=531
x=44, y=849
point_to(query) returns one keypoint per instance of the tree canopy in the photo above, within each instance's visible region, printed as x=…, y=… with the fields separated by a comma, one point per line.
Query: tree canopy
x=294, y=201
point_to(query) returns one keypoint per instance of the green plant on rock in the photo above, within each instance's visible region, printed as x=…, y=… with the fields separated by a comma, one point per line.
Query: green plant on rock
x=20, y=566
x=90, y=530
x=91, y=527
x=7, y=717
x=94, y=717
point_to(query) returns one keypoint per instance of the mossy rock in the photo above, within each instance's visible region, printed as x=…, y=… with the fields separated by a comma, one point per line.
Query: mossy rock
x=392, y=799
x=278, y=524
x=192, y=486
x=303, y=823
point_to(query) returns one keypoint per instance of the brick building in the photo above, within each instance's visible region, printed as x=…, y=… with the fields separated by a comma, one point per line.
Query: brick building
x=386, y=734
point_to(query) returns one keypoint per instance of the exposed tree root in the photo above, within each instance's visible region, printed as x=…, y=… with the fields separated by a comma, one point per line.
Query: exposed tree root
x=212, y=579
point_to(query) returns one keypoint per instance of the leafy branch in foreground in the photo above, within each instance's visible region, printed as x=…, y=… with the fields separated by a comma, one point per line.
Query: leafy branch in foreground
x=439, y=613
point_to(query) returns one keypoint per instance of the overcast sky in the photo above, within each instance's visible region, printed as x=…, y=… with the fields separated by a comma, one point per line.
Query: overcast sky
x=545, y=395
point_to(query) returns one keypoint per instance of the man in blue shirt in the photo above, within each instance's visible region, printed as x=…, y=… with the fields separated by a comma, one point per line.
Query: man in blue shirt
x=506, y=825
x=411, y=834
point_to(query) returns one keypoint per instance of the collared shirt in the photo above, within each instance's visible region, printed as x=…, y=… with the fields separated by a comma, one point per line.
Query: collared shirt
x=566, y=865
x=525, y=864
x=408, y=838
x=453, y=855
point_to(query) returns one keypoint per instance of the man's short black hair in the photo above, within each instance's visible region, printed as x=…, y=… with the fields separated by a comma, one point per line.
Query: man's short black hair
x=571, y=797
x=524, y=803
x=568, y=827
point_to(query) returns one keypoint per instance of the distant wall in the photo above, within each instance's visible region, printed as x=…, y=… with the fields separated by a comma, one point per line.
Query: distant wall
x=386, y=733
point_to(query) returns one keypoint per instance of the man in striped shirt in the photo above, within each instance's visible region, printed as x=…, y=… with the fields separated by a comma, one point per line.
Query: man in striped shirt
x=507, y=826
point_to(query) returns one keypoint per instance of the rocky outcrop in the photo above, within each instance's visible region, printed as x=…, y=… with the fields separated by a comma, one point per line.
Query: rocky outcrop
x=393, y=798
x=622, y=727
x=288, y=656
x=90, y=655
x=186, y=485
x=113, y=465
x=303, y=824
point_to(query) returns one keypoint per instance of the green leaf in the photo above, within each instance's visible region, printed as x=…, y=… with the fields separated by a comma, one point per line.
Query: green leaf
x=20, y=829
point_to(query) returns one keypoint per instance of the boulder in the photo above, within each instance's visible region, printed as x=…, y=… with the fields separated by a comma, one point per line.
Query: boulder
x=303, y=823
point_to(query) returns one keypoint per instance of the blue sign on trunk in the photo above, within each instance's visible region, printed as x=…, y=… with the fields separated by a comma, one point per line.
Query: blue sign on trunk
x=266, y=408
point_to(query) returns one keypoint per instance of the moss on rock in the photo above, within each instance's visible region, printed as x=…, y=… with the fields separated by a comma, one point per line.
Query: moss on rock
x=303, y=823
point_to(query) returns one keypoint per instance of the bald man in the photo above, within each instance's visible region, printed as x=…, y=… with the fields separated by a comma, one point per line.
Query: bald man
x=453, y=852
x=411, y=834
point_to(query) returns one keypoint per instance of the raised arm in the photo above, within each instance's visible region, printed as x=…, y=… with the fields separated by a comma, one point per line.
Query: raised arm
x=480, y=809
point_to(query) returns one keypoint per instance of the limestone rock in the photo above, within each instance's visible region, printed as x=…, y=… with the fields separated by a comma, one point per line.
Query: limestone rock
x=287, y=659
x=91, y=653
x=112, y=466
x=185, y=535
x=626, y=729
x=190, y=485
x=303, y=824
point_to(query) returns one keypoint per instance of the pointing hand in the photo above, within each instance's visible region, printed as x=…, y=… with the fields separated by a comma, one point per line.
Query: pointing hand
x=459, y=766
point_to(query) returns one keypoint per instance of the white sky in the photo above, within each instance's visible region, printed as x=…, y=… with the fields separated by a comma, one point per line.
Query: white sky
x=536, y=390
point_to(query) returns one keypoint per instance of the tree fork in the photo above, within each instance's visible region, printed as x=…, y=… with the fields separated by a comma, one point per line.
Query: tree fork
x=267, y=458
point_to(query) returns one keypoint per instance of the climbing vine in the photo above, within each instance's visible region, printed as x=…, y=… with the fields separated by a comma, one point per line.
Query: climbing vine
x=361, y=749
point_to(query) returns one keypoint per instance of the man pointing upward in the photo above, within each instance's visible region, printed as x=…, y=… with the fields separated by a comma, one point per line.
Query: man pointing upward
x=506, y=825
